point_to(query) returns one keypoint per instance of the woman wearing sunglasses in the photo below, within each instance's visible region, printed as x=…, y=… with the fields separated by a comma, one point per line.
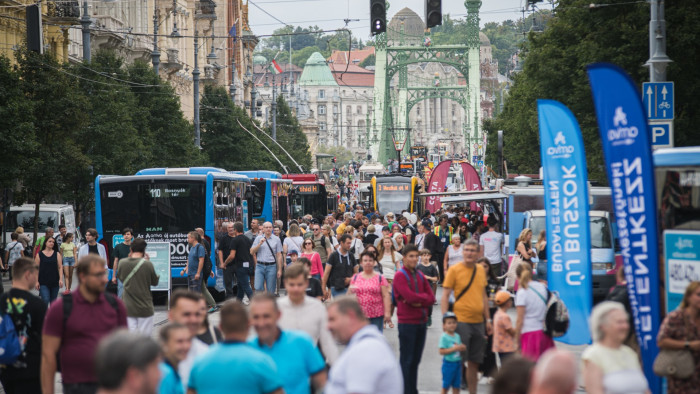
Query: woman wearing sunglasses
x=314, y=257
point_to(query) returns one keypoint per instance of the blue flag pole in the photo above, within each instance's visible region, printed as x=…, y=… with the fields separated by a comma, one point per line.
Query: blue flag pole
x=630, y=168
x=569, y=270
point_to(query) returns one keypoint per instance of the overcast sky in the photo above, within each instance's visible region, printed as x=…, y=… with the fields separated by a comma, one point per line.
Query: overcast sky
x=266, y=15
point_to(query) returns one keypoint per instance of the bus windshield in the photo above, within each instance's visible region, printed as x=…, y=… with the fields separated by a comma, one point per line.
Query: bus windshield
x=393, y=197
x=600, y=231
x=26, y=220
x=173, y=207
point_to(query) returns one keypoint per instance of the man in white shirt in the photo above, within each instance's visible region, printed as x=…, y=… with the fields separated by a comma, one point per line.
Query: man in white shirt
x=368, y=364
x=267, y=249
x=491, y=245
x=184, y=309
x=92, y=246
x=304, y=313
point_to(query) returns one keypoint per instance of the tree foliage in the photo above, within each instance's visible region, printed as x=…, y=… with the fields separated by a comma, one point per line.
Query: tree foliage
x=554, y=68
x=291, y=137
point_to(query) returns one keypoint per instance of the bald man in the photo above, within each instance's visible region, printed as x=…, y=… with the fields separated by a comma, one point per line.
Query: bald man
x=556, y=373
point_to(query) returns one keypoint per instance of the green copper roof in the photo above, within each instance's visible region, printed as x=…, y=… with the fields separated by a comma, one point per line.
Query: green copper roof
x=316, y=72
x=259, y=59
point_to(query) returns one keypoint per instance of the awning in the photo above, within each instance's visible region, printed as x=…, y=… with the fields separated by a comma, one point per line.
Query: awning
x=472, y=197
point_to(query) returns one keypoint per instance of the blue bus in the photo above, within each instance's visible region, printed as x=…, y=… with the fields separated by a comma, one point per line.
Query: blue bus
x=677, y=175
x=164, y=204
x=270, y=196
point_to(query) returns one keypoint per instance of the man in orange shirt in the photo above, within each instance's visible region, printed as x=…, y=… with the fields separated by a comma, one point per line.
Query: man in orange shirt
x=467, y=280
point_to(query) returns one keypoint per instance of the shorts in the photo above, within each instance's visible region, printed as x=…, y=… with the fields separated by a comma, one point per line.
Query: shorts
x=451, y=374
x=474, y=338
x=69, y=261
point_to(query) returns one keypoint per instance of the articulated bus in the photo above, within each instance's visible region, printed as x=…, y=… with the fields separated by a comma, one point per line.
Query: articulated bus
x=395, y=193
x=164, y=204
x=270, y=196
x=309, y=196
x=677, y=174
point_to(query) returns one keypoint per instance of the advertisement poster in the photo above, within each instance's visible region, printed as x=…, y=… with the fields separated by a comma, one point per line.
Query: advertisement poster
x=682, y=255
x=159, y=255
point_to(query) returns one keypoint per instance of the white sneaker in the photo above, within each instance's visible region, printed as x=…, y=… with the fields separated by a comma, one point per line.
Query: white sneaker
x=246, y=301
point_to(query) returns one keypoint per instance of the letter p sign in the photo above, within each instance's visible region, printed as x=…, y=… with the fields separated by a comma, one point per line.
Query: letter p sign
x=661, y=134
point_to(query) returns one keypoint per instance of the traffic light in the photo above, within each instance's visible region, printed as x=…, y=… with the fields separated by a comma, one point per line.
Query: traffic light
x=433, y=13
x=377, y=16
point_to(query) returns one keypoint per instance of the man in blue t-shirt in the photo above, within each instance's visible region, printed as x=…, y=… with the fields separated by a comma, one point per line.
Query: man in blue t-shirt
x=233, y=364
x=298, y=360
x=195, y=262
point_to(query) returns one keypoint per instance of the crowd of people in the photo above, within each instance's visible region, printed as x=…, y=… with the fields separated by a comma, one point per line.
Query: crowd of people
x=347, y=279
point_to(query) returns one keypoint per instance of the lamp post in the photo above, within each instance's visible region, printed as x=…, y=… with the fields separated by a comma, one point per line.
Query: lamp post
x=155, y=54
x=85, y=21
x=195, y=83
x=274, y=107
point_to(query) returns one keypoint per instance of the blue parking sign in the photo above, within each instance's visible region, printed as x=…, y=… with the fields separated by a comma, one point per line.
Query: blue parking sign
x=658, y=100
x=661, y=134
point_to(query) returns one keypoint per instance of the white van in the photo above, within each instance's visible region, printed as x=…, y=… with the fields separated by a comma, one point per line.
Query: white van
x=603, y=262
x=50, y=215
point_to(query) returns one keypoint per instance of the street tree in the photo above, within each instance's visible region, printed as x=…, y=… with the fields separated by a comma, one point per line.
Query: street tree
x=291, y=137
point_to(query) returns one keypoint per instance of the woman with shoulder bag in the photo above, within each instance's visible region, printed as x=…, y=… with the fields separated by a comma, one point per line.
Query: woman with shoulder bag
x=680, y=330
x=531, y=306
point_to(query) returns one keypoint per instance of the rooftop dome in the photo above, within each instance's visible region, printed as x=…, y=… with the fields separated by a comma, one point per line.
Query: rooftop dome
x=484, y=39
x=316, y=72
x=259, y=59
x=413, y=27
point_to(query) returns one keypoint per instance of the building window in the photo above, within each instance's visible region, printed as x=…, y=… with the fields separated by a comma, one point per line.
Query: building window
x=359, y=110
x=321, y=94
x=348, y=110
x=322, y=126
x=418, y=110
x=321, y=109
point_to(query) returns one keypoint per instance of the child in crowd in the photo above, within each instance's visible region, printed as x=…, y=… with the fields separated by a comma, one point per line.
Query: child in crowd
x=503, y=331
x=450, y=347
x=430, y=271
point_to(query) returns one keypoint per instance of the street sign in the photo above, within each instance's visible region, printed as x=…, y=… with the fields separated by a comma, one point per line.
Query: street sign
x=661, y=133
x=480, y=163
x=658, y=100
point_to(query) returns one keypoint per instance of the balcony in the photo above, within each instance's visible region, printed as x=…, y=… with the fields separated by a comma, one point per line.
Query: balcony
x=205, y=9
x=64, y=12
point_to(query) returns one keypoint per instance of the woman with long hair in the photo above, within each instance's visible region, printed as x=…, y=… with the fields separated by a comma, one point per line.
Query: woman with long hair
x=68, y=253
x=293, y=240
x=531, y=307
x=316, y=269
x=327, y=231
x=523, y=246
x=372, y=292
x=50, y=271
x=454, y=253
x=681, y=330
x=388, y=258
x=541, y=248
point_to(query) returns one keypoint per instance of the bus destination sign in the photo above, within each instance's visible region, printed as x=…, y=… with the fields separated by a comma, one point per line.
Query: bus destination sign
x=307, y=189
x=393, y=188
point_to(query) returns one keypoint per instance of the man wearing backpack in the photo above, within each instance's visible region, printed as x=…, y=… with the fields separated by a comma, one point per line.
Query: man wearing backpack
x=13, y=251
x=137, y=276
x=467, y=280
x=413, y=296
x=27, y=314
x=323, y=245
x=75, y=324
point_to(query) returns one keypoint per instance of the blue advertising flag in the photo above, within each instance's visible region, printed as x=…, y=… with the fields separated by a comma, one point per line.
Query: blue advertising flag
x=628, y=160
x=566, y=203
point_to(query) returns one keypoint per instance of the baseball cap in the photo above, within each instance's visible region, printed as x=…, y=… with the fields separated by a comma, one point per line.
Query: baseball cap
x=502, y=297
x=448, y=315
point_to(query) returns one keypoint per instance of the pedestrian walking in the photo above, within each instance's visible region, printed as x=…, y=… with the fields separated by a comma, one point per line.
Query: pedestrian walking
x=453, y=254
x=305, y=313
x=195, y=263
x=27, y=313
x=254, y=230
x=313, y=289
x=234, y=364
x=368, y=364
x=467, y=280
x=137, y=275
x=322, y=243
x=175, y=342
x=531, y=305
x=413, y=295
x=13, y=251
x=24, y=240
x=451, y=347
x=503, y=331
x=234, y=252
x=267, y=249
x=299, y=363
x=294, y=241
x=68, y=252
x=206, y=332
x=313, y=256
x=66, y=329
x=491, y=245
x=121, y=251
x=185, y=309
x=340, y=268
x=488, y=367
x=541, y=248
x=609, y=366
x=92, y=246
x=207, y=269
x=225, y=258
x=681, y=330
x=372, y=292
x=388, y=258
x=50, y=271
x=128, y=363
x=39, y=244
